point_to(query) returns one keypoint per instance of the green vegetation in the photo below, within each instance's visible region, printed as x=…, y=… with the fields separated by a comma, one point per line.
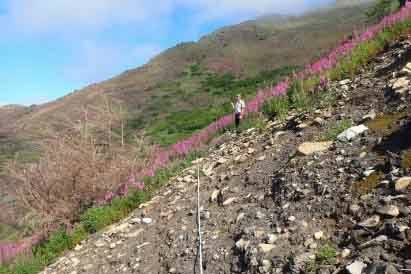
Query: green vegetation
x=277, y=108
x=324, y=257
x=93, y=220
x=178, y=98
x=382, y=8
x=333, y=130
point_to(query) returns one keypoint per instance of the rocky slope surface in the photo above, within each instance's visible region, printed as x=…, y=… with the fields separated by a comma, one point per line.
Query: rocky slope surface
x=272, y=199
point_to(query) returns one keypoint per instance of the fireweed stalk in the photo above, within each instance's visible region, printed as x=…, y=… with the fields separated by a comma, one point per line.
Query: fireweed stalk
x=162, y=157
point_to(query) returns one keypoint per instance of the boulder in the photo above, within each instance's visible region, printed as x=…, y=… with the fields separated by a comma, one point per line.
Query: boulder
x=371, y=222
x=229, y=201
x=402, y=184
x=400, y=83
x=265, y=248
x=242, y=244
x=370, y=116
x=310, y=148
x=356, y=267
x=389, y=210
x=352, y=133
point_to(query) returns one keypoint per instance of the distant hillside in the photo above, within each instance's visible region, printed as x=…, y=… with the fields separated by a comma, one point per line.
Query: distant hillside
x=184, y=88
x=166, y=85
x=345, y=3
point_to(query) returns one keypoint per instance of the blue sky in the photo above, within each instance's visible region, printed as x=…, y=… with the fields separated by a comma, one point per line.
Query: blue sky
x=51, y=47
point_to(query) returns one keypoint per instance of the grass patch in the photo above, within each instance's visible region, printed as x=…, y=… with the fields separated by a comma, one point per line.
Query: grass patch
x=333, y=130
x=324, y=257
x=277, y=108
x=180, y=122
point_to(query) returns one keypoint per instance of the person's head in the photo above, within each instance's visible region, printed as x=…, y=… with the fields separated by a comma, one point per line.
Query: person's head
x=238, y=97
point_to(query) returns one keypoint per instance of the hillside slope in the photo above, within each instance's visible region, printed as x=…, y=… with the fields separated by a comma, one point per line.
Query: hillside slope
x=166, y=84
x=269, y=205
x=184, y=88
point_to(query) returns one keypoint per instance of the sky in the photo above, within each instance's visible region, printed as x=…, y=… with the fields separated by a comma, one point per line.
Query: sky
x=49, y=48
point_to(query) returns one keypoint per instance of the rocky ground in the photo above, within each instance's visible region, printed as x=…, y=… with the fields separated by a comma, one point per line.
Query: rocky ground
x=282, y=200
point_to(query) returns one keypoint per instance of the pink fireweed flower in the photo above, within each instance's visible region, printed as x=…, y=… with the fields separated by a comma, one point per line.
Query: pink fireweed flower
x=139, y=185
x=108, y=197
x=123, y=190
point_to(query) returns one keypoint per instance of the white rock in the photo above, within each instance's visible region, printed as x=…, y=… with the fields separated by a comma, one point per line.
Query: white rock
x=389, y=210
x=309, y=148
x=222, y=161
x=371, y=222
x=240, y=158
x=240, y=217
x=400, y=83
x=303, y=126
x=265, y=248
x=198, y=161
x=368, y=172
x=78, y=247
x=271, y=238
x=370, y=116
x=100, y=243
x=242, y=244
x=261, y=158
x=407, y=69
x=214, y=195
x=135, y=221
x=188, y=179
x=345, y=253
x=356, y=267
x=278, y=134
x=147, y=221
x=319, y=235
x=266, y=264
x=352, y=133
x=402, y=184
x=75, y=262
x=291, y=219
x=229, y=201
x=344, y=82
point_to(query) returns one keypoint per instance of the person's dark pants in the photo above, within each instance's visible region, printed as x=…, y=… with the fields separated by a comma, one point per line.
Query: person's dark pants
x=237, y=120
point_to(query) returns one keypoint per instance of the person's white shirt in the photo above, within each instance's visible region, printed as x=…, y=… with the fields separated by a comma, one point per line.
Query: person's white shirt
x=239, y=106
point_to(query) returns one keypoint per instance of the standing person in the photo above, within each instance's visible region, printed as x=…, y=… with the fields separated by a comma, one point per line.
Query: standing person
x=239, y=108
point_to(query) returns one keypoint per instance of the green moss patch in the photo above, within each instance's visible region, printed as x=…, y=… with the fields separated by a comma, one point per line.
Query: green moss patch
x=385, y=124
x=368, y=184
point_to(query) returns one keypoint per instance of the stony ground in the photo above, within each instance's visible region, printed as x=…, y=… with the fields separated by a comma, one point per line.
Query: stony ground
x=272, y=199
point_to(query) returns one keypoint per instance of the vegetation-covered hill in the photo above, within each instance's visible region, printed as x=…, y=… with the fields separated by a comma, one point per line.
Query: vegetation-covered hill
x=197, y=77
x=184, y=88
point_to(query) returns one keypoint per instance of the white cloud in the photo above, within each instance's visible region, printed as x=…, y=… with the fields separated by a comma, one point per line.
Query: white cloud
x=91, y=15
x=69, y=15
x=212, y=9
x=94, y=61
x=82, y=24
